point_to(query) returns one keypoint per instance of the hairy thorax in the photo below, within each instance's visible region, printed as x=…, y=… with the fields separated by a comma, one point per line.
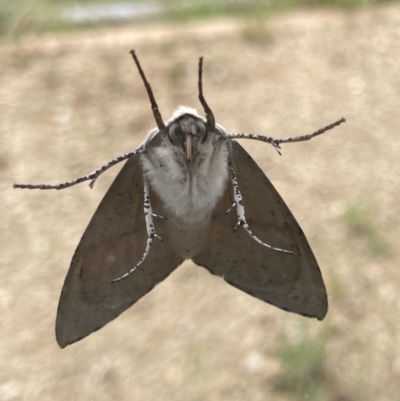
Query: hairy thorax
x=189, y=190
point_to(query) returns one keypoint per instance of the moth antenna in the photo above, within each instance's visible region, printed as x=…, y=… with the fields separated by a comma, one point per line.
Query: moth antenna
x=276, y=142
x=154, y=106
x=238, y=204
x=151, y=232
x=207, y=110
x=92, y=176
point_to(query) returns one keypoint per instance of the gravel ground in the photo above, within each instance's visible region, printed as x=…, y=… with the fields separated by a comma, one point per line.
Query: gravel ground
x=71, y=102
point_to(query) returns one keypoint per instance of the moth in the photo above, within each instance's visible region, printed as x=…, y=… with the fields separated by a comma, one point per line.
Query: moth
x=189, y=190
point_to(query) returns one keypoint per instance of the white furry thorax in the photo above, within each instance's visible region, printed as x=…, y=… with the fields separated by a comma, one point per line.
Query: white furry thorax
x=191, y=189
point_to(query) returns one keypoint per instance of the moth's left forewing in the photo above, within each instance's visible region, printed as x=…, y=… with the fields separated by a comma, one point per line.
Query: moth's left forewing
x=291, y=282
x=112, y=244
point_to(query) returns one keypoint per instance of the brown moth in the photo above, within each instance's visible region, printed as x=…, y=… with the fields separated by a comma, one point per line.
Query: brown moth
x=193, y=174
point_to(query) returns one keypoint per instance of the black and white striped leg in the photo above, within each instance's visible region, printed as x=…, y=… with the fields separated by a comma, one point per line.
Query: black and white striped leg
x=151, y=232
x=240, y=212
x=276, y=142
x=310, y=136
x=92, y=176
x=262, y=138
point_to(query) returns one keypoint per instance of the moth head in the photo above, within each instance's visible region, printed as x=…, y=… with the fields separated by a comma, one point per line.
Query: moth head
x=187, y=131
x=186, y=128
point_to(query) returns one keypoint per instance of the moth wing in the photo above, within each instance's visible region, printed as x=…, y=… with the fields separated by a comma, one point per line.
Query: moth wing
x=290, y=282
x=112, y=244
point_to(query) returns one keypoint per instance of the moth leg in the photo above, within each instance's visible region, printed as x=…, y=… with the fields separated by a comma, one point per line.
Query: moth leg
x=92, y=176
x=240, y=212
x=310, y=136
x=151, y=232
x=232, y=207
x=158, y=216
x=276, y=142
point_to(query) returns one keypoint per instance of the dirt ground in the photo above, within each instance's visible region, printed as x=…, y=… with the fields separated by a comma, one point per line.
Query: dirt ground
x=69, y=103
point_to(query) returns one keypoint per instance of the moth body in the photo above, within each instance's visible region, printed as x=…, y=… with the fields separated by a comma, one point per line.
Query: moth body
x=189, y=189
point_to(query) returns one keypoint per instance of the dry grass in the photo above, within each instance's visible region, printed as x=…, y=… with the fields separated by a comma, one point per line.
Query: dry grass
x=70, y=103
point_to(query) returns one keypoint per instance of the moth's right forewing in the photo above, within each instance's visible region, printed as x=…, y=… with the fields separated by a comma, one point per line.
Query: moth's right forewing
x=291, y=282
x=113, y=243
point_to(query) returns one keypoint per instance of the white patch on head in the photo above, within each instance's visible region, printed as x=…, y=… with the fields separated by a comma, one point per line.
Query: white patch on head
x=181, y=110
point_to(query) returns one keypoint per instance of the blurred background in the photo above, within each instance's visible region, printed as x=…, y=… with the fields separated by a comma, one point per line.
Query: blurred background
x=71, y=99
